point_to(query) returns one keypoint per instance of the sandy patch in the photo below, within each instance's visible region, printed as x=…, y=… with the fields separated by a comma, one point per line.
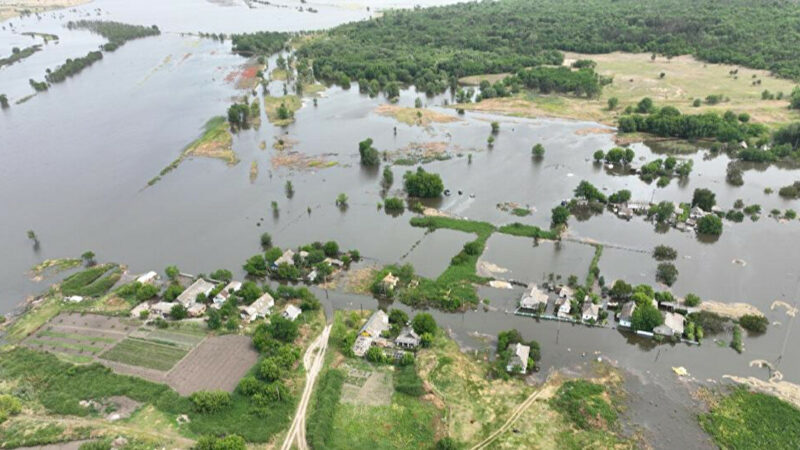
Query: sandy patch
x=790, y=310
x=15, y=7
x=732, y=310
x=784, y=390
x=433, y=212
x=498, y=284
x=415, y=116
x=593, y=130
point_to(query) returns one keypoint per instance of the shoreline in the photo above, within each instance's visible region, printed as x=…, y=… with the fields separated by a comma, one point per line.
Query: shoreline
x=16, y=9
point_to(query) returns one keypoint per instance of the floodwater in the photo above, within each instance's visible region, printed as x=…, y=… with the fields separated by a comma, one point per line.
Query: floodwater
x=76, y=161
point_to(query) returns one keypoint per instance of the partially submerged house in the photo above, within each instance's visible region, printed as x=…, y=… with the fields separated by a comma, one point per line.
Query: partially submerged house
x=147, y=278
x=626, y=314
x=389, y=282
x=291, y=312
x=188, y=297
x=226, y=292
x=377, y=323
x=286, y=258
x=258, y=309
x=533, y=299
x=564, y=309
x=673, y=325
x=590, y=312
x=408, y=339
x=196, y=309
x=518, y=361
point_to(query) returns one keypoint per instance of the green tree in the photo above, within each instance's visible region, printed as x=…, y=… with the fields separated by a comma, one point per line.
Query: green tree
x=331, y=249
x=704, y=198
x=423, y=184
x=230, y=442
x=755, y=323
x=369, y=155
x=613, y=102
x=178, y=312
x=172, y=272
x=538, y=151
x=662, y=211
x=424, y=323
x=283, y=329
x=88, y=258
x=710, y=225
x=266, y=240
x=560, y=215
x=646, y=317
x=388, y=178
x=398, y=316
x=599, y=155
x=341, y=200
x=667, y=273
x=3, y=101
x=691, y=300
x=255, y=266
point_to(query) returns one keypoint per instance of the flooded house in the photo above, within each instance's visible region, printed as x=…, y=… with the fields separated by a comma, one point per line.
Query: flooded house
x=291, y=312
x=673, y=325
x=147, y=278
x=590, y=312
x=626, y=314
x=286, y=258
x=534, y=299
x=519, y=358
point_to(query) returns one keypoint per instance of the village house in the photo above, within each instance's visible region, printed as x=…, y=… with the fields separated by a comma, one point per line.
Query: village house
x=673, y=325
x=590, y=312
x=389, y=282
x=533, y=299
x=74, y=299
x=196, y=310
x=565, y=292
x=377, y=323
x=333, y=262
x=291, y=312
x=189, y=296
x=519, y=358
x=286, y=258
x=226, y=292
x=147, y=278
x=408, y=339
x=258, y=309
x=564, y=309
x=161, y=308
x=626, y=314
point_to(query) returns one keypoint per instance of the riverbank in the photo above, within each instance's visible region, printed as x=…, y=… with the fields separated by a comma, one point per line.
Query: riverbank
x=17, y=8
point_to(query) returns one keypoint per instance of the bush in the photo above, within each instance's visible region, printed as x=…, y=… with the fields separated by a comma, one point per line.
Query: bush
x=369, y=155
x=710, y=225
x=754, y=323
x=210, y=402
x=664, y=253
x=283, y=329
x=230, y=442
x=393, y=204
x=423, y=184
x=424, y=323
x=691, y=300
x=9, y=406
x=266, y=240
x=666, y=273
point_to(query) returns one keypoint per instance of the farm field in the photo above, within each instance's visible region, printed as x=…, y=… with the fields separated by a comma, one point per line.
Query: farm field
x=219, y=362
x=144, y=353
x=77, y=337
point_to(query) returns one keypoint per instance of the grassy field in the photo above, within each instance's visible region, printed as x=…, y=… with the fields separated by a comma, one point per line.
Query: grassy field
x=271, y=105
x=637, y=76
x=414, y=116
x=92, y=282
x=746, y=419
x=75, y=336
x=142, y=353
x=33, y=319
x=65, y=345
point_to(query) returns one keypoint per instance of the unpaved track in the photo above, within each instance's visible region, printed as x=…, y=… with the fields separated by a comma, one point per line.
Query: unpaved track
x=514, y=416
x=312, y=360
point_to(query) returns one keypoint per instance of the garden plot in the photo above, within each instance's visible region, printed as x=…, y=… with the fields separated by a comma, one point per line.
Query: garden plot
x=219, y=362
x=369, y=388
x=78, y=337
x=145, y=353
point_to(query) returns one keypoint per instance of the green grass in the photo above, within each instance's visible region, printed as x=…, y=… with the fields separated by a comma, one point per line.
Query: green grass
x=582, y=403
x=745, y=420
x=320, y=425
x=92, y=282
x=531, y=231
x=33, y=319
x=521, y=212
x=58, y=386
x=139, y=352
x=482, y=229
x=27, y=434
x=593, y=266
x=76, y=336
x=406, y=423
x=65, y=345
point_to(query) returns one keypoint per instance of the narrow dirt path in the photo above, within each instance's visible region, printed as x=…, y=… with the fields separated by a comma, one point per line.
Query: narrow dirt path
x=511, y=419
x=312, y=360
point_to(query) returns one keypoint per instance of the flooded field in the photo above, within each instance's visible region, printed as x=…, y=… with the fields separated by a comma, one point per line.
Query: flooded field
x=76, y=161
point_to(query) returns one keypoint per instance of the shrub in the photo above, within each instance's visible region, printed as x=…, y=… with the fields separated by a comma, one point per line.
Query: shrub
x=754, y=323
x=230, y=442
x=664, y=253
x=210, y=402
x=369, y=155
x=691, y=300
x=710, y=225
x=423, y=184
x=666, y=273
x=424, y=323
x=393, y=204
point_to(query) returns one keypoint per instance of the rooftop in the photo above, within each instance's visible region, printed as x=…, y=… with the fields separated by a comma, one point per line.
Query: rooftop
x=188, y=296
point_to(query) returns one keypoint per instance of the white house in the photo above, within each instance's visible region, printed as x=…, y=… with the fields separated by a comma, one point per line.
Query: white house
x=519, y=358
x=189, y=296
x=590, y=312
x=226, y=292
x=407, y=339
x=564, y=310
x=673, y=325
x=147, y=278
x=258, y=309
x=533, y=298
x=291, y=312
x=625, y=316
x=286, y=258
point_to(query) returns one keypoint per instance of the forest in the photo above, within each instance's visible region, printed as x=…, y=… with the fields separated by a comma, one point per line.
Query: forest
x=117, y=33
x=431, y=47
x=262, y=42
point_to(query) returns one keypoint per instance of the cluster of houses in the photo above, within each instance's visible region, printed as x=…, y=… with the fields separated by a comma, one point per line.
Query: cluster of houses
x=372, y=334
x=288, y=257
x=259, y=309
x=629, y=209
x=537, y=302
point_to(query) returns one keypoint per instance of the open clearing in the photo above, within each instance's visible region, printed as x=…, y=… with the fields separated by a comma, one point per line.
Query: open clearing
x=149, y=354
x=367, y=388
x=637, y=76
x=219, y=362
x=271, y=105
x=414, y=116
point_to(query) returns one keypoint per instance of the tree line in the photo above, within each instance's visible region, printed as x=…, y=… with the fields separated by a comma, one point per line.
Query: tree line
x=432, y=47
x=117, y=33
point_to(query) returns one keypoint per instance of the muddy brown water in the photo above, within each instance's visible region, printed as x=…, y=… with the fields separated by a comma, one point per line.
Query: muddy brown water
x=76, y=160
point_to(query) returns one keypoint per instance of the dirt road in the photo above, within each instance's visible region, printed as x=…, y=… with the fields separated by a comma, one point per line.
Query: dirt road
x=312, y=360
x=515, y=414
